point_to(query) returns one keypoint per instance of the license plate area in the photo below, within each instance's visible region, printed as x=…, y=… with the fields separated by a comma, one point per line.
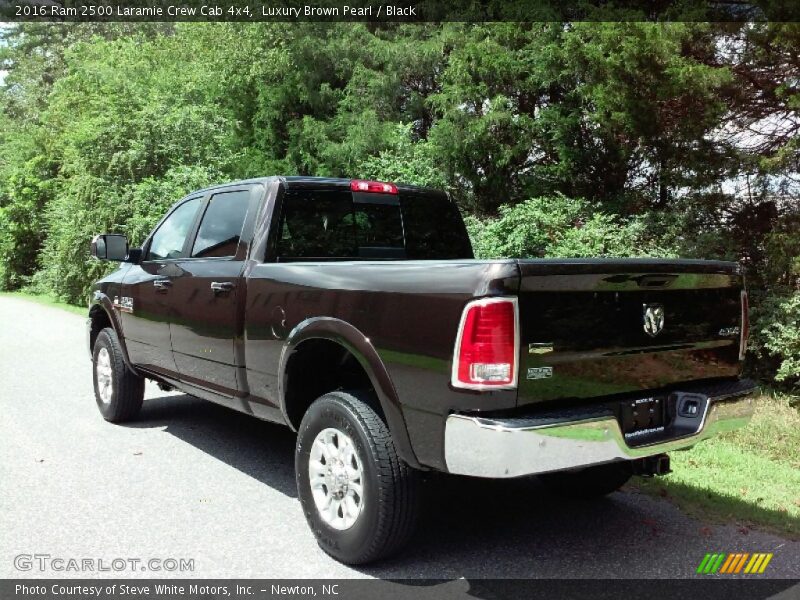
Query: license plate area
x=641, y=418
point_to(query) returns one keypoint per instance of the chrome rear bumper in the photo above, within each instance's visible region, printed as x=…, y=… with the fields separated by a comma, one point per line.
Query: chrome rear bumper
x=499, y=448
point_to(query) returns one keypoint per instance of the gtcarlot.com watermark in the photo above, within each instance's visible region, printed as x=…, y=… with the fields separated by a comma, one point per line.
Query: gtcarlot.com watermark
x=61, y=564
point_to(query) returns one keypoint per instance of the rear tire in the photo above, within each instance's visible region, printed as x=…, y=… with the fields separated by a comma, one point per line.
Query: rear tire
x=591, y=482
x=359, y=498
x=118, y=391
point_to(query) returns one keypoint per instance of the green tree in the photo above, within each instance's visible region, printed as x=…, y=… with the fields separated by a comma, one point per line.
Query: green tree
x=556, y=139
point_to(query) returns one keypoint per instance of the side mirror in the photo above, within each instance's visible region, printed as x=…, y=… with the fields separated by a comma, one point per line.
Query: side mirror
x=110, y=246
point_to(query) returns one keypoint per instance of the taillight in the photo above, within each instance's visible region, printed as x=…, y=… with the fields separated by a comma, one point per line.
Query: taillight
x=745, y=333
x=487, y=345
x=374, y=187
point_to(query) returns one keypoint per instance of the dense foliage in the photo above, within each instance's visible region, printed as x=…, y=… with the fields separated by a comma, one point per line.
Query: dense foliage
x=612, y=139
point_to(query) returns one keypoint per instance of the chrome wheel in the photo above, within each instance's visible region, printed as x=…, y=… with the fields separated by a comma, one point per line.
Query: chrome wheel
x=336, y=477
x=104, y=372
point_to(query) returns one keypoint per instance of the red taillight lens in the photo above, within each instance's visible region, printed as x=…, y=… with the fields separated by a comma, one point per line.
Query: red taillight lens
x=487, y=346
x=745, y=333
x=373, y=187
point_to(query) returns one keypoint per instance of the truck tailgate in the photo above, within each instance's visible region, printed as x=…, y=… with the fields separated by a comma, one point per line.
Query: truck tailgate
x=599, y=327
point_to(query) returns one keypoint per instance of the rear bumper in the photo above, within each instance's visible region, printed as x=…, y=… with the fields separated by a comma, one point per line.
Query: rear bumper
x=498, y=448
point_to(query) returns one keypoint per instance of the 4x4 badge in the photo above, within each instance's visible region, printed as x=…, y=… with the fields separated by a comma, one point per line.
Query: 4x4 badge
x=653, y=319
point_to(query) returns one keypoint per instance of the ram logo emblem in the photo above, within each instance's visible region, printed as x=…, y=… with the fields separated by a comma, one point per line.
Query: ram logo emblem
x=653, y=318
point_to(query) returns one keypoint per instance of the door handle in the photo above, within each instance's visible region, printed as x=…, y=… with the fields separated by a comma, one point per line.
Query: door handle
x=219, y=287
x=162, y=284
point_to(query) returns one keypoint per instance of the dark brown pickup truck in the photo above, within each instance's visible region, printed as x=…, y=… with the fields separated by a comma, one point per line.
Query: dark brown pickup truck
x=355, y=313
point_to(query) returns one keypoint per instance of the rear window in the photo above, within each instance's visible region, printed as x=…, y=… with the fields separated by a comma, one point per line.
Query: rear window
x=434, y=229
x=347, y=225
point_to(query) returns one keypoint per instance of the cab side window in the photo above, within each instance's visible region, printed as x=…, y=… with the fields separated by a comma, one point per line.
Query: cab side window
x=168, y=240
x=221, y=226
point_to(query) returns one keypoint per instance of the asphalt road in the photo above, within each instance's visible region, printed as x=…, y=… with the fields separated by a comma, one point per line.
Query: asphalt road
x=196, y=481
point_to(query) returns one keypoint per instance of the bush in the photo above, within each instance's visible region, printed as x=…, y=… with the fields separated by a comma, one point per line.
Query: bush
x=558, y=226
x=775, y=337
x=87, y=206
x=23, y=196
x=404, y=162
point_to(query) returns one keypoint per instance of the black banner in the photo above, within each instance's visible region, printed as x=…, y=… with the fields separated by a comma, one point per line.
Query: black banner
x=398, y=10
x=408, y=589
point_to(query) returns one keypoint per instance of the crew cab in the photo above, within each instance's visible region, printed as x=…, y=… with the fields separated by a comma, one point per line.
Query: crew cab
x=354, y=313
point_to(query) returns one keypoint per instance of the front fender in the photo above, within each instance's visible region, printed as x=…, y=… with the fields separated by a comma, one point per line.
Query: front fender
x=359, y=345
x=101, y=302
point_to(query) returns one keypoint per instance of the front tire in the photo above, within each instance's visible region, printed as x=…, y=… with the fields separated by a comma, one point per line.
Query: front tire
x=359, y=497
x=591, y=482
x=118, y=391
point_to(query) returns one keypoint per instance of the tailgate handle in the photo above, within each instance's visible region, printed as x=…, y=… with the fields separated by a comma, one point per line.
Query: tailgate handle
x=651, y=281
x=221, y=286
x=162, y=284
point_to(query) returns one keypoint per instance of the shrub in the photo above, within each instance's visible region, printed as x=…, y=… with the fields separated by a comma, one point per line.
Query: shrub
x=404, y=162
x=23, y=195
x=775, y=338
x=558, y=226
x=87, y=206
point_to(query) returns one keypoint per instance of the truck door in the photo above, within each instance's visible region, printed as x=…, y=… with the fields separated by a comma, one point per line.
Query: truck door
x=206, y=319
x=146, y=294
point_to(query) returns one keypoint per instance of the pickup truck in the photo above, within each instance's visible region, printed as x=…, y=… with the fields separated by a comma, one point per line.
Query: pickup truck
x=354, y=312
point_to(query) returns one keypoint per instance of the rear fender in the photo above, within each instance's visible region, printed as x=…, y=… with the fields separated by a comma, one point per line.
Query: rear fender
x=359, y=345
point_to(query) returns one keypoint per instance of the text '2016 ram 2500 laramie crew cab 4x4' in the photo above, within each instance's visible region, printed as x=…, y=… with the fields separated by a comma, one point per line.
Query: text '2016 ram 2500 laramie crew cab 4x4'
x=354, y=312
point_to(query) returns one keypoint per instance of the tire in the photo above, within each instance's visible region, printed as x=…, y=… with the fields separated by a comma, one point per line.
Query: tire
x=117, y=390
x=363, y=527
x=591, y=482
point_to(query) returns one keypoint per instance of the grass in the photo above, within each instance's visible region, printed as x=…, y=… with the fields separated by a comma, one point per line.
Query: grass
x=47, y=300
x=750, y=476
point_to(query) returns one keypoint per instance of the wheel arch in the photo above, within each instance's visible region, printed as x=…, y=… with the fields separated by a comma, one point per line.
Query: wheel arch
x=322, y=332
x=102, y=315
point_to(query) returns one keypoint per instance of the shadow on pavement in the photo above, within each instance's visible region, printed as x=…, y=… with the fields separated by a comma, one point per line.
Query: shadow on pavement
x=261, y=450
x=472, y=527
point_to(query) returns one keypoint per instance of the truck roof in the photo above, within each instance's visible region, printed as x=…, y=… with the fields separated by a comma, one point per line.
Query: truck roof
x=307, y=181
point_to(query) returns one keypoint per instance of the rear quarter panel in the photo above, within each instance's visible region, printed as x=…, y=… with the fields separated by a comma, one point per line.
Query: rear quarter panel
x=408, y=311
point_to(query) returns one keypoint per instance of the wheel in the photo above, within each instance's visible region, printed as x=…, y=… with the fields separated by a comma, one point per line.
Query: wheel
x=359, y=498
x=590, y=482
x=118, y=391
